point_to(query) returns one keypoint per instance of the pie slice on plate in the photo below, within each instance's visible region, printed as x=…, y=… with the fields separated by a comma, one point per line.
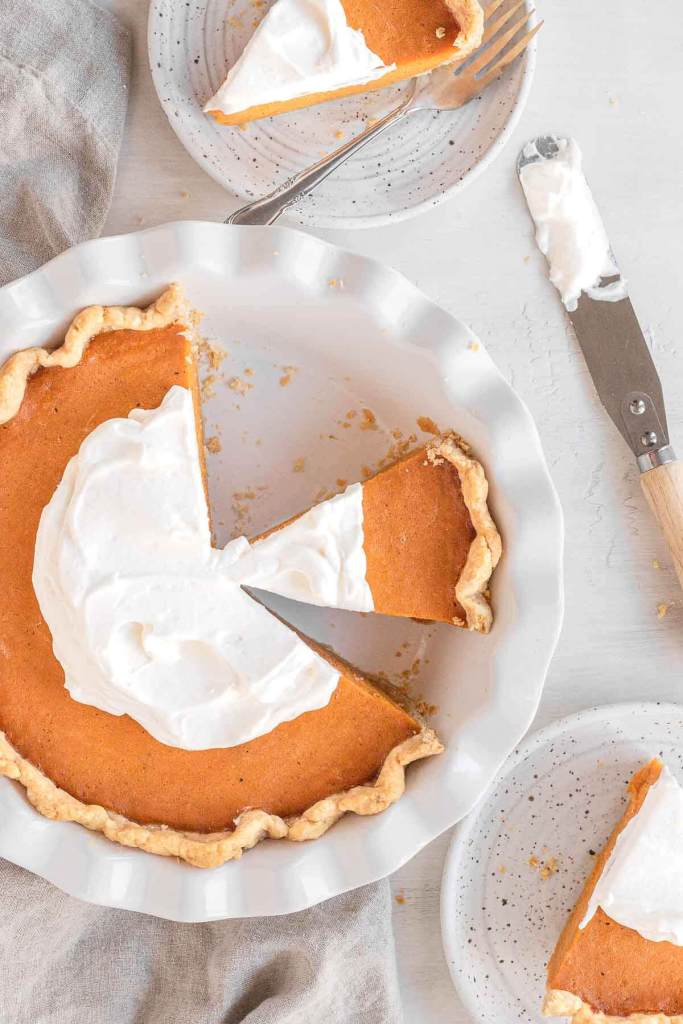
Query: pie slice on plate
x=307, y=51
x=195, y=723
x=620, y=956
x=415, y=540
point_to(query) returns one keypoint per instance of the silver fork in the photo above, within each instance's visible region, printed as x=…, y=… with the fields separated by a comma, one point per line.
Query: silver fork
x=446, y=88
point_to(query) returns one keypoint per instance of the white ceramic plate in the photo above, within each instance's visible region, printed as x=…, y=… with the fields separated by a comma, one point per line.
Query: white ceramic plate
x=358, y=335
x=410, y=168
x=557, y=801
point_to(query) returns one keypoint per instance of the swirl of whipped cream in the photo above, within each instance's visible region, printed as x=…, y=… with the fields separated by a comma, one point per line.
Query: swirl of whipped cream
x=301, y=47
x=318, y=558
x=147, y=619
x=641, y=885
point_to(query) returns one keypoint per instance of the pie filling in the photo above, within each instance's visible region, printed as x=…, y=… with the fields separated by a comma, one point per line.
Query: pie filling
x=621, y=952
x=306, y=51
x=154, y=623
x=352, y=552
x=143, y=692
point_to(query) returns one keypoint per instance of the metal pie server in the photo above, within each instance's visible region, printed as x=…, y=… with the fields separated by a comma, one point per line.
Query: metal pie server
x=628, y=385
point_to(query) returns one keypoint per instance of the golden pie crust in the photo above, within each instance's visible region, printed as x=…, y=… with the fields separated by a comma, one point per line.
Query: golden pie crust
x=253, y=824
x=212, y=850
x=471, y=589
x=564, y=1004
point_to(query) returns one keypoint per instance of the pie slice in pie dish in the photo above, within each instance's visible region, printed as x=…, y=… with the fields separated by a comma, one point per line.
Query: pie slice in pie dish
x=620, y=956
x=307, y=51
x=248, y=730
x=415, y=540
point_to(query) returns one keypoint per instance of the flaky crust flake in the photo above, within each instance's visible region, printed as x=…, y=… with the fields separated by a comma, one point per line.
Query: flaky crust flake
x=471, y=590
x=470, y=18
x=253, y=825
x=558, y=1003
x=169, y=308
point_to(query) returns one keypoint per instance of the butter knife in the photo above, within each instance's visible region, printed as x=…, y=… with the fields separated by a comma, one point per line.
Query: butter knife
x=570, y=233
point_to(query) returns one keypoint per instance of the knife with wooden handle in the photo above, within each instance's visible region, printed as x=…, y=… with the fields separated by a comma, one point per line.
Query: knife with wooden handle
x=606, y=326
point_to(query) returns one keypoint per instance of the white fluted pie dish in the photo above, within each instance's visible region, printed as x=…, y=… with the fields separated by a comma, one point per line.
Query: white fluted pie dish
x=342, y=331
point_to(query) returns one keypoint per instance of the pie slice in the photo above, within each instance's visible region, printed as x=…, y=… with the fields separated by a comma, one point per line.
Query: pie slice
x=307, y=51
x=415, y=540
x=104, y=770
x=620, y=955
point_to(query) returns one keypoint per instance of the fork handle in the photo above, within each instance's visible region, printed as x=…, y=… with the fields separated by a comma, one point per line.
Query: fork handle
x=270, y=207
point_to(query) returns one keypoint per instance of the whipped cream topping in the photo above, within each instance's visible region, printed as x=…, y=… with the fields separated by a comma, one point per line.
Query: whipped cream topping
x=569, y=229
x=147, y=619
x=301, y=47
x=641, y=886
x=319, y=558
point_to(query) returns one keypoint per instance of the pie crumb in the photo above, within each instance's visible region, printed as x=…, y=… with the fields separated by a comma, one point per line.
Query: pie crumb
x=299, y=465
x=546, y=868
x=287, y=374
x=662, y=609
x=369, y=421
x=656, y=564
x=400, y=897
x=341, y=482
x=473, y=346
x=440, y=32
x=213, y=354
x=427, y=425
x=550, y=867
x=213, y=445
x=239, y=385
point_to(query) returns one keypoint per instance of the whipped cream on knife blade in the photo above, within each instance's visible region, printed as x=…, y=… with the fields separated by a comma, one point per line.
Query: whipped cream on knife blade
x=641, y=886
x=301, y=47
x=569, y=229
x=318, y=558
x=147, y=618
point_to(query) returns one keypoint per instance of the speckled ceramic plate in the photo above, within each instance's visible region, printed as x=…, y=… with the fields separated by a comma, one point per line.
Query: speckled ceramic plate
x=408, y=169
x=517, y=864
x=312, y=333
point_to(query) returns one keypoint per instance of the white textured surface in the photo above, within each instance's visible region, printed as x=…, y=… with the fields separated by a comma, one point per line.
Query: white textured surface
x=423, y=159
x=615, y=83
x=519, y=861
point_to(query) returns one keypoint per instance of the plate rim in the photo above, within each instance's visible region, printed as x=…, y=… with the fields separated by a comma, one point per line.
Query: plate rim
x=552, y=611
x=457, y=846
x=294, y=215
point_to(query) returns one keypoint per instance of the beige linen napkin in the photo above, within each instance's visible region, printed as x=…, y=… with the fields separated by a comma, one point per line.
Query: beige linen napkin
x=63, y=96
x=66, y=962
x=63, y=91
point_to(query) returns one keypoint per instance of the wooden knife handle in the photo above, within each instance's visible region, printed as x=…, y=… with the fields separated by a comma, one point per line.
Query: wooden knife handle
x=663, y=488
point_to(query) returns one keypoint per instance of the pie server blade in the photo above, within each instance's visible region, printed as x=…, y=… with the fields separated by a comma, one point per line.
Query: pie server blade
x=627, y=383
